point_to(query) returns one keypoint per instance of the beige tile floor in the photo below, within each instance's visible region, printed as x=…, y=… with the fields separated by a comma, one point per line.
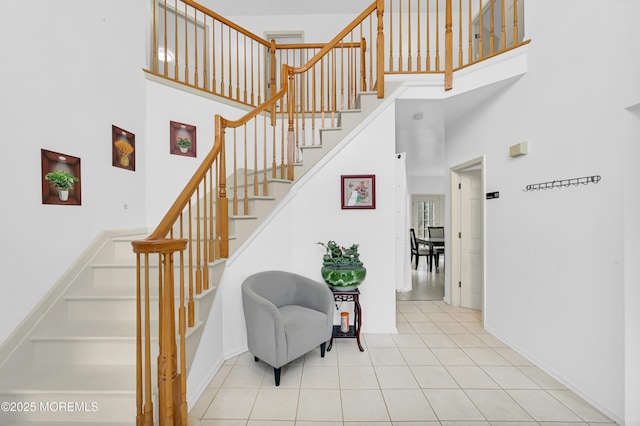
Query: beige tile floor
x=441, y=368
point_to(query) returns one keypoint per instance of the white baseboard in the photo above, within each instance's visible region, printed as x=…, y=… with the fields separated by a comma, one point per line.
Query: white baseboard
x=195, y=390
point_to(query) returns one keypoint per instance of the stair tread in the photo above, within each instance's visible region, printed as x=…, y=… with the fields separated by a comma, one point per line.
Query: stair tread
x=317, y=146
x=71, y=378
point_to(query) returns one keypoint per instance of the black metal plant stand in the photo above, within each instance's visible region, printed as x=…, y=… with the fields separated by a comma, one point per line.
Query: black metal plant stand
x=354, y=330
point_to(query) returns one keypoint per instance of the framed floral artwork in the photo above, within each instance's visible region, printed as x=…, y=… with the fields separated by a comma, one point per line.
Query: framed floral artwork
x=123, y=146
x=182, y=139
x=60, y=179
x=358, y=191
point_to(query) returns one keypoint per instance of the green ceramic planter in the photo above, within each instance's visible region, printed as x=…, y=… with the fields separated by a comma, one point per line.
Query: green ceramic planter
x=343, y=277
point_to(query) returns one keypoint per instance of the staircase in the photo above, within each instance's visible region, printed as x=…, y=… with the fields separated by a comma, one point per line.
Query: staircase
x=77, y=364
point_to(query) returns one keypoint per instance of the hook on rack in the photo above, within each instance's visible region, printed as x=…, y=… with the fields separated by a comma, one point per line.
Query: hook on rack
x=563, y=183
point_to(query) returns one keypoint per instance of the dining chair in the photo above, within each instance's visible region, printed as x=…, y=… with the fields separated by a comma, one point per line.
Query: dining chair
x=416, y=250
x=436, y=232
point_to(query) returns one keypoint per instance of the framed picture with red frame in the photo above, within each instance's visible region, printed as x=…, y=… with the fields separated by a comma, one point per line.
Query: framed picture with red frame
x=358, y=191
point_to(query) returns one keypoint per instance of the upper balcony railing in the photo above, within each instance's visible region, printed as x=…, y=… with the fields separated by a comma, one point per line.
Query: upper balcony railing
x=195, y=46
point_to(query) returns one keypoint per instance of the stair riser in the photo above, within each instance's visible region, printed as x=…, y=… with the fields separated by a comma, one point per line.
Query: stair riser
x=256, y=207
x=242, y=228
x=275, y=189
x=102, y=351
x=123, y=250
x=350, y=119
x=331, y=138
x=69, y=408
x=120, y=352
x=106, y=309
x=124, y=277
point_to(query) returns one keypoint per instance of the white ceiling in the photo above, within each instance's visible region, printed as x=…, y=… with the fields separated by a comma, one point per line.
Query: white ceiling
x=286, y=7
x=423, y=140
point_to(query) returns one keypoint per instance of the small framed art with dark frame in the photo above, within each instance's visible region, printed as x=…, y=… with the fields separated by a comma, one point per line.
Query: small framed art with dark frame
x=182, y=139
x=358, y=191
x=61, y=183
x=123, y=148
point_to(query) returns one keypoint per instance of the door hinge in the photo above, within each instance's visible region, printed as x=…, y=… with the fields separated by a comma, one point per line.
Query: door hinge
x=459, y=186
x=460, y=284
x=459, y=234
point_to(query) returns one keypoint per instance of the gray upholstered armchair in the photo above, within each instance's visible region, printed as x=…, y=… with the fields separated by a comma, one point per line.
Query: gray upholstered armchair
x=287, y=315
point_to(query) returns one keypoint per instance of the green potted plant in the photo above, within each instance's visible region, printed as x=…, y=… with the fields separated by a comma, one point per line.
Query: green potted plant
x=62, y=180
x=341, y=267
x=183, y=144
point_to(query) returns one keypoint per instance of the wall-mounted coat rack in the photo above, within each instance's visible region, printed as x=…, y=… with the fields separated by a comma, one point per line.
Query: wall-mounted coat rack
x=563, y=183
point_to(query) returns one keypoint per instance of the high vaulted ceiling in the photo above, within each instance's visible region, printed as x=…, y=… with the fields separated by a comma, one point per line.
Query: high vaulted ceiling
x=286, y=7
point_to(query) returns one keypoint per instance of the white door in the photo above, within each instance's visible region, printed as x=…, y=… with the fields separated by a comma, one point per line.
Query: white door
x=471, y=240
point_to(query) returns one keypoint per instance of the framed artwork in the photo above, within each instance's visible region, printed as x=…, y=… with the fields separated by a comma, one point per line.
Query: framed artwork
x=358, y=191
x=61, y=183
x=123, y=150
x=182, y=139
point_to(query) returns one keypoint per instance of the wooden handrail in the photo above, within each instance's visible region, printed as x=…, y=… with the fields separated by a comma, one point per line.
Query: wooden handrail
x=227, y=22
x=335, y=41
x=180, y=203
x=301, y=46
x=254, y=112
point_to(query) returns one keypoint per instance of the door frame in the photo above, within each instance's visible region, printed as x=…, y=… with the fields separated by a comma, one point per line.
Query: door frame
x=453, y=244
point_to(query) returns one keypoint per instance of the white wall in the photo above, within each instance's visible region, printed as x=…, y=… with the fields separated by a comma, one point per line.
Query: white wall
x=170, y=173
x=427, y=184
x=631, y=267
x=316, y=28
x=70, y=71
x=554, y=259
x=313, y=214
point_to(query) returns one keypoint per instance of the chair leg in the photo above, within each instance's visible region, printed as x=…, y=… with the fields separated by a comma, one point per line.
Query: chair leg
x=276, y=373
x=323, y=346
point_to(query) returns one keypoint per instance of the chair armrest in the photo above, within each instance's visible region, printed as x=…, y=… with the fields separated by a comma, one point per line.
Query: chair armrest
x=265, y=329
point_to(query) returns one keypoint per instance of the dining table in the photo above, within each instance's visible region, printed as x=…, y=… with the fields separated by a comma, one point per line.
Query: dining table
x=432, y=243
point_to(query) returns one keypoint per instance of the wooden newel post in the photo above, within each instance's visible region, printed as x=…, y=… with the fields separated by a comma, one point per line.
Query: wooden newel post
x=363, y=65
x=222, y=202
x=380, y=50
x=288, y=71
x=272, y=71
x=448, y=49
x=168, y=383
x=171, y=401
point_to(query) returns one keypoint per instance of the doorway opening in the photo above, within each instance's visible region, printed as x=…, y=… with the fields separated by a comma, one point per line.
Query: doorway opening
x=427, y=277
x=466, y=239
